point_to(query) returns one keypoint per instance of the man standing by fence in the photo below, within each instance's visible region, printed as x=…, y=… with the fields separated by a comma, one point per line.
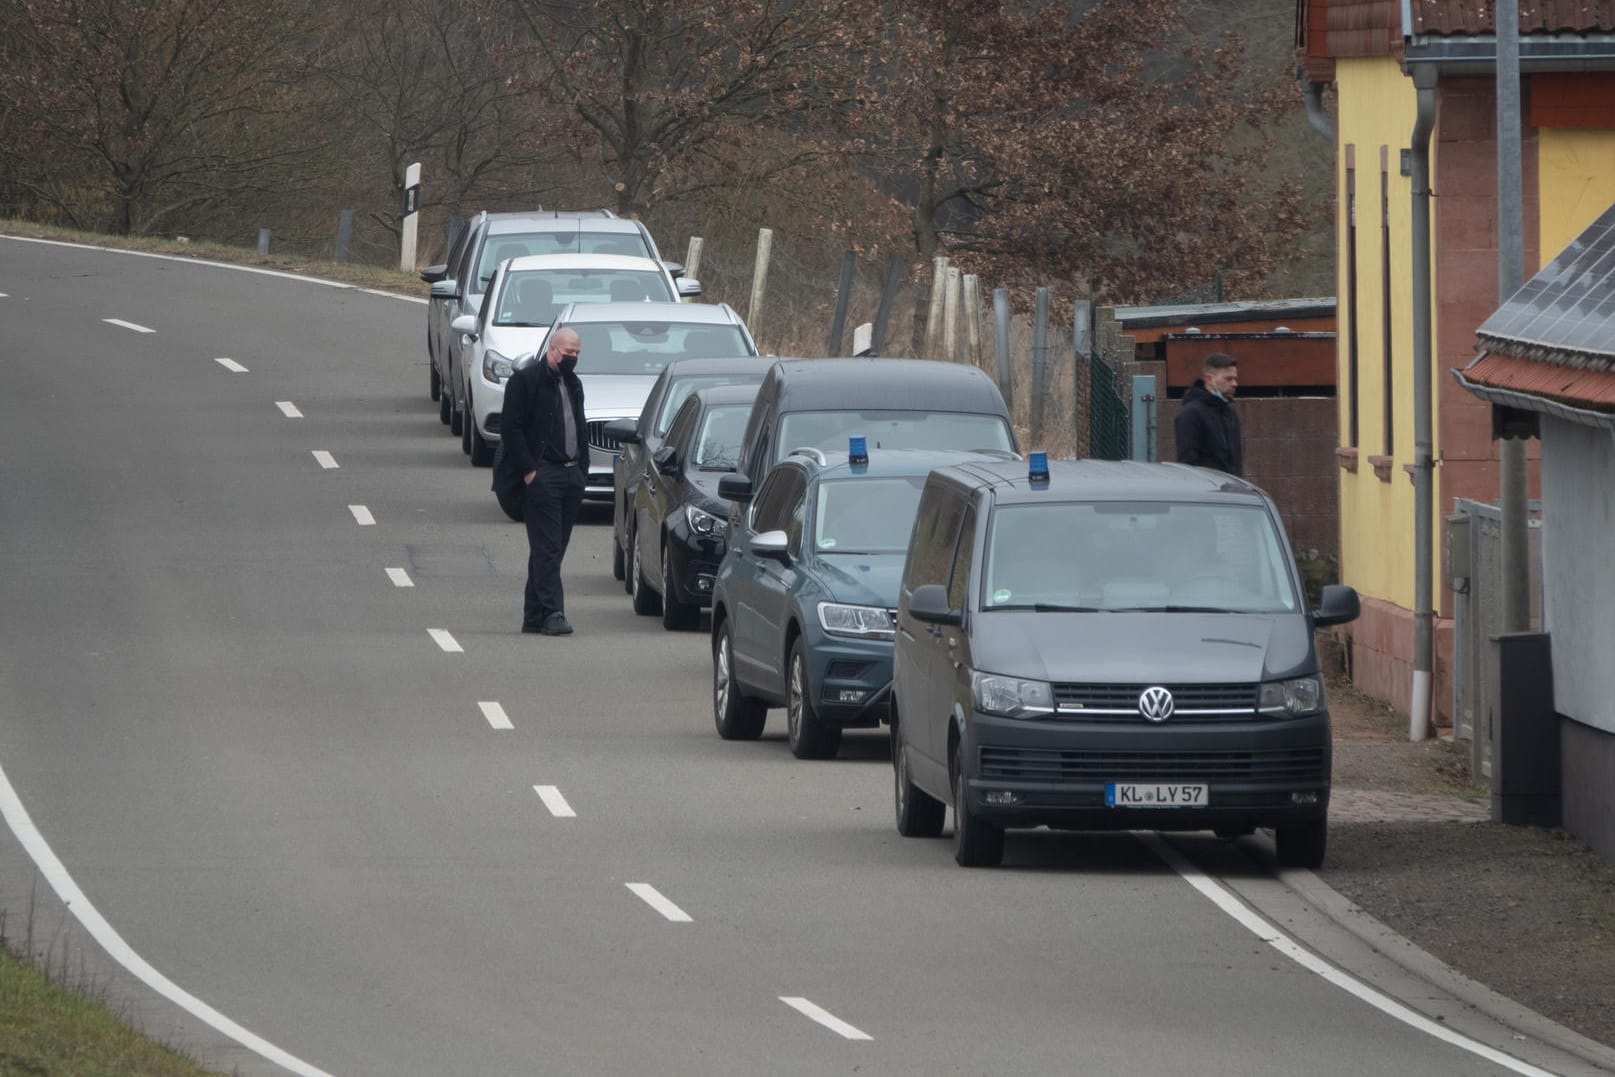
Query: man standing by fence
x=1207, y=427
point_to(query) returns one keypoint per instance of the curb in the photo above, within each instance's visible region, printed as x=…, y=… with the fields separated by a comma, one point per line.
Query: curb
x=1402, y=952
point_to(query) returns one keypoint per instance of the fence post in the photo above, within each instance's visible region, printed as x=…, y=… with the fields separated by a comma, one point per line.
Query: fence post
x=263, y=241
x=1040, y=362
x=888, y=295
x=950, y=315
x=759, y=279
x=933, y=317
x=1006, y=384
x=972, y=305
x=1144, y=443
x=838, y=320
x=692, y=260
x=344, y=232
x=411, y=223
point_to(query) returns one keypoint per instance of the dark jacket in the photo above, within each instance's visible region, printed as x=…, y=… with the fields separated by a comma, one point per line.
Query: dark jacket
x=1208, y=431
x=531, y=428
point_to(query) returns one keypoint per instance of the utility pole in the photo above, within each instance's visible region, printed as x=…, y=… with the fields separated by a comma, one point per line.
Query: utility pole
x=1510, y=276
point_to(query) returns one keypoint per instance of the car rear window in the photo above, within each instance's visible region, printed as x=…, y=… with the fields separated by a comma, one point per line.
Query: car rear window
x=892, y=430
x=1137, y=556
x=647, y=347
x=520, y=244
x=535, y=296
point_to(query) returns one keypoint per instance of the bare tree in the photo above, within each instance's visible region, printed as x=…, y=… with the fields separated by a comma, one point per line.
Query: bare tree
x=657, y=91
x=129, y=115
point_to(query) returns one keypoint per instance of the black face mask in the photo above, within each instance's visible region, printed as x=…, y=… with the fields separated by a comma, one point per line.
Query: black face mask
x=569, y=364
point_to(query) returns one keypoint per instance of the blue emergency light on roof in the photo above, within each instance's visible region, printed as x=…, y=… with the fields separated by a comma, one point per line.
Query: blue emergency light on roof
x=1037, y=466
x=856, y=452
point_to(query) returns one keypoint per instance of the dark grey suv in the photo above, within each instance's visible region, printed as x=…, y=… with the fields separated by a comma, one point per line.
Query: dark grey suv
x=1105, y=645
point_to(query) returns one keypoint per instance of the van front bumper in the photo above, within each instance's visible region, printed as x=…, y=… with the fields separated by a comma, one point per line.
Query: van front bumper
x=1055, y=773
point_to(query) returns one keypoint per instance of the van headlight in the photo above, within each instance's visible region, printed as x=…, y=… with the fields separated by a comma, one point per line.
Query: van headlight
x=495, y=367
x=1011, y=697
x=1292, y=699
x=865, y=622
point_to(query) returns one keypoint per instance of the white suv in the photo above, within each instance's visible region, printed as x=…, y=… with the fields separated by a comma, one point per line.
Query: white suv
x=517, y=309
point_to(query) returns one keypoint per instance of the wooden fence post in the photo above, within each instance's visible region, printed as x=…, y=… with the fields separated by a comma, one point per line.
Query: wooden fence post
x=950, y=315
x=933, y=318
x=972, y=306
x=1040, y=363
x=759, y=279
x=692, y=260
x=1006, y=382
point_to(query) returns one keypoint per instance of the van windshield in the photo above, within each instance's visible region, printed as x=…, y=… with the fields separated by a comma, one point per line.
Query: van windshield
x=892, y=430
x=1114, y=556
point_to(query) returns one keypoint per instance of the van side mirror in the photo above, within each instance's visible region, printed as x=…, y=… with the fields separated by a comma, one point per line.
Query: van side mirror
x=736, y=488
x=929, y=603
x=1337, y=605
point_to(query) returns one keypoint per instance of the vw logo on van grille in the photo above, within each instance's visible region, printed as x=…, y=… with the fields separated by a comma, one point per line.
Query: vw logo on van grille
x=1155, y=704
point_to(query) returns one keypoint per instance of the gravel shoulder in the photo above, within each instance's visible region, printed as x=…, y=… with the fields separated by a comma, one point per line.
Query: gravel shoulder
x=1528, y=912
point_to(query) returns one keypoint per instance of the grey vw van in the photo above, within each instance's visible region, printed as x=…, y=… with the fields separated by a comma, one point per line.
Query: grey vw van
x=1099, y=645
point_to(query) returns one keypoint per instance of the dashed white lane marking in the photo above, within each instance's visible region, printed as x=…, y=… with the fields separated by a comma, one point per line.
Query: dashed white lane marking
x=495, y=714
x=121, y=324
x=1228, y=903
x=288, y=409
x=231, y=365
x=443, y=639
x=400, y=578
x=327, y=461
x=824, y=1017
x=361, y=516
x=556, y=803
x=652, y=897
x=11, y=807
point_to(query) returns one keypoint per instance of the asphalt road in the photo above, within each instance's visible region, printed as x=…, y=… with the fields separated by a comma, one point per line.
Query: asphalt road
x=239, y=738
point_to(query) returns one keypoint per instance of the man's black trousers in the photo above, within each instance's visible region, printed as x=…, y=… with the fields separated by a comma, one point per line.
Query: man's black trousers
x=553, y=499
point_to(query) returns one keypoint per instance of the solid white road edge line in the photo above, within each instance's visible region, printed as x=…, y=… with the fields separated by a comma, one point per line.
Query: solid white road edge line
x=327, y=461
x=216, y=265
x=400, y=578
x=495, y=714
x=288, y=409
x=556, y=803
x=444, y=640
x=361, y=516
x=231, y=365
x=120, y=323
x=1228, y=903
x=824, y=1017
x=78, y=904
x=652, y=897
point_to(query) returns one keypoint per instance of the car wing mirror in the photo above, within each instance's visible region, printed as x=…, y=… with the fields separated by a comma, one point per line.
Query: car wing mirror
x=1337, y=605
x=736, y=488
x=445, y=289
x=929, y=603
x=688, y=287
x=465, y=323
x=433, y=274
x=774, y=545
x=624, y=431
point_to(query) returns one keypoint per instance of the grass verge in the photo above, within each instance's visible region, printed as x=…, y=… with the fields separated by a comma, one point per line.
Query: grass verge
x=48, y=1030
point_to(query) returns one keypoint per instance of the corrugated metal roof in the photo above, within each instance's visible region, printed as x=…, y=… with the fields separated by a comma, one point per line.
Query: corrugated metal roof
x=1468, y=17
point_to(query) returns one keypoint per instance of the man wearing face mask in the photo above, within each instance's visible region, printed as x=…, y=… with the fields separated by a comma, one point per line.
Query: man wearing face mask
x=1207, y=428
x=544, y=458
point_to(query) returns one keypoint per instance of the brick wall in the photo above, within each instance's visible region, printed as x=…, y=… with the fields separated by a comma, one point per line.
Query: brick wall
x=1289, y=452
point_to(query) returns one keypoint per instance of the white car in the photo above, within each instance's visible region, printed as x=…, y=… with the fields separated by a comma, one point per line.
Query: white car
x=517, y=309
x=624, y=347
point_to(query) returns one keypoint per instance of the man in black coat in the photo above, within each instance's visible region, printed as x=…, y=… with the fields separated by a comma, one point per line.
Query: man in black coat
x=545, y=457
x=1207, y=427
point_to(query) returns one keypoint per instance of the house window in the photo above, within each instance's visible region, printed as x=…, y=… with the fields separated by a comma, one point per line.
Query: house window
x=1351, y=295
x=1385, y=288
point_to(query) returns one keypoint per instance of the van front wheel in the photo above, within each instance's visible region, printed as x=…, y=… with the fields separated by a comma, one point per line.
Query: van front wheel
x=976, y=842
x=1302, y=845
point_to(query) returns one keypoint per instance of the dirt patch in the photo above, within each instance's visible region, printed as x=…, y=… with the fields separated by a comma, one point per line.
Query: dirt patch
x=1528, y=912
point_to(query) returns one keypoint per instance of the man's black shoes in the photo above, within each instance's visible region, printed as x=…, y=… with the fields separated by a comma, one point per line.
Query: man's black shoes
x=556, y=624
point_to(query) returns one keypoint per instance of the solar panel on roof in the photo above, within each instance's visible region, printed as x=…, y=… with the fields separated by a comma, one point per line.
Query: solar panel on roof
x=1570, y=304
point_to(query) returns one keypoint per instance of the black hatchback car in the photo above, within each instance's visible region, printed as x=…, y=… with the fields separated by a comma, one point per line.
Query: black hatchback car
x=679, y=524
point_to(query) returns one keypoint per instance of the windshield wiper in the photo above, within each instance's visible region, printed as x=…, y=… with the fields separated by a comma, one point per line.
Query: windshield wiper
x=1174, y=609
x=1055, y=607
